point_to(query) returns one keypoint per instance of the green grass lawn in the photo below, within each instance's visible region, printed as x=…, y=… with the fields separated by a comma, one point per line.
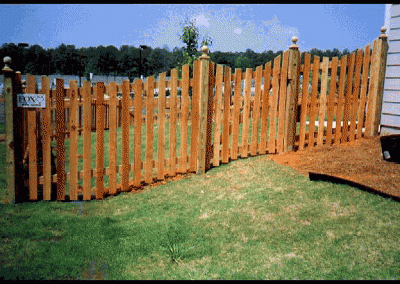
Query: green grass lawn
x=249, y=219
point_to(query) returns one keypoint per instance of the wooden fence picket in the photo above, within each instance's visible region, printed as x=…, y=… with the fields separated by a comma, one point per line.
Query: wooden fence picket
x=282, y=126
x=32, y=141
x=46, y=126
x=340, y=104
x=355, y=95
x=347, y=100
x=226, y=115
x=313, y=103
x=363, y=93
x=172, y=122
x=262, y=149
x=274, y=106
x=246, y=112
x=331, y=101
x=218, y=114
x=100, y=170
x=256, y=111
x=60, y=134
x=236, y=110
x=113, y=138
x=125, y=134
x=304, y=99
x=322, y=101
x=73, y=146
x=87, y=133
x=137, y=89
x=209, y=113
x=161, y=126
x=184, y=117
x=149, y=86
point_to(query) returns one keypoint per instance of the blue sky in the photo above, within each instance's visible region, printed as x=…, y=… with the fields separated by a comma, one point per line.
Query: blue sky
x=233, y=27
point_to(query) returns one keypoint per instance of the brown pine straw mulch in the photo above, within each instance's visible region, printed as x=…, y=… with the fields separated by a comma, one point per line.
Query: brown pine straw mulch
x=360, y=161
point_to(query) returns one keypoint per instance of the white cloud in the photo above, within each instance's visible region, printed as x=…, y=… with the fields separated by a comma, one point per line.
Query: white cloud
x=258, y=35
x=271, y=22
x=202, y=21
x=237, y=31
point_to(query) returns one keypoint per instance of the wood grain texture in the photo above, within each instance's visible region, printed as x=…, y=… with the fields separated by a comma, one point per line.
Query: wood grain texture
x=339, y=110
x=304, y=99
x=113, y=137
x=100, y=141
x=185, y=106
x=87, y=134
x=226, y=115
x=282, y=103
x=125, y=135
x=161, y=126
x=73, y=146
x=256, y=111
x=314, y=93
x=246, y=112
x=236, y=110
x=60, y=133
x=274, y=106
x=262, y=149
x=218, y=115
x=137, y=89
x=331, y=100
x=32, y=141
x=46, y=126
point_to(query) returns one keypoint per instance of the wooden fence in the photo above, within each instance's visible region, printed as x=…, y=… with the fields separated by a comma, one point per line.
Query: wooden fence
x=220, y=115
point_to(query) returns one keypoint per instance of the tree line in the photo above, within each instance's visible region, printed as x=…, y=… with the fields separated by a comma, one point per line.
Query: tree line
x=125, y=61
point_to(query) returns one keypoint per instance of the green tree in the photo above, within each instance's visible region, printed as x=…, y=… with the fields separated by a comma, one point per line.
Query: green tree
x=128, y=61
x=158, y=60
x=222, y=58
x=243, y=62
x=190, y=37
x=36, y=58
x=59, y=58
x=345, y=51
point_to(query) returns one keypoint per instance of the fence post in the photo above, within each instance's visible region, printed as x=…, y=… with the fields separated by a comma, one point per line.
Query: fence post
x=377, y=79
x=203, y=103
x=13, y=134
x=292, y=96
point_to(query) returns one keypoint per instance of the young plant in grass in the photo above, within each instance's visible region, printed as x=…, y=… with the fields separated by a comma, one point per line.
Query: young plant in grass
x=173, y=238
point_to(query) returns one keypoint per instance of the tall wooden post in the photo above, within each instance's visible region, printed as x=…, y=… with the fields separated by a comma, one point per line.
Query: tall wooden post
x=13, y=134
x=203, y=105
x=377, y=79
x=292, y=96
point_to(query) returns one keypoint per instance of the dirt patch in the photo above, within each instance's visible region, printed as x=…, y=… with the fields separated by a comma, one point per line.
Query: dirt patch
x=359, y=161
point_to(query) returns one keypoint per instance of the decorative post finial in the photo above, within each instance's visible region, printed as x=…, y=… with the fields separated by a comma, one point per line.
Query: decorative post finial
x=7, y=61
x=204, y=49
x=294, y=40
x=383, y=33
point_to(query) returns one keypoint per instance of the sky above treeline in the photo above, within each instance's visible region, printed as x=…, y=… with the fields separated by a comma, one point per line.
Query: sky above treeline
x=233, y=27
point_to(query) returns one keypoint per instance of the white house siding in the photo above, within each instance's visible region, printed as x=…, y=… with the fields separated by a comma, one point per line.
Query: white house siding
x=390, y=118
